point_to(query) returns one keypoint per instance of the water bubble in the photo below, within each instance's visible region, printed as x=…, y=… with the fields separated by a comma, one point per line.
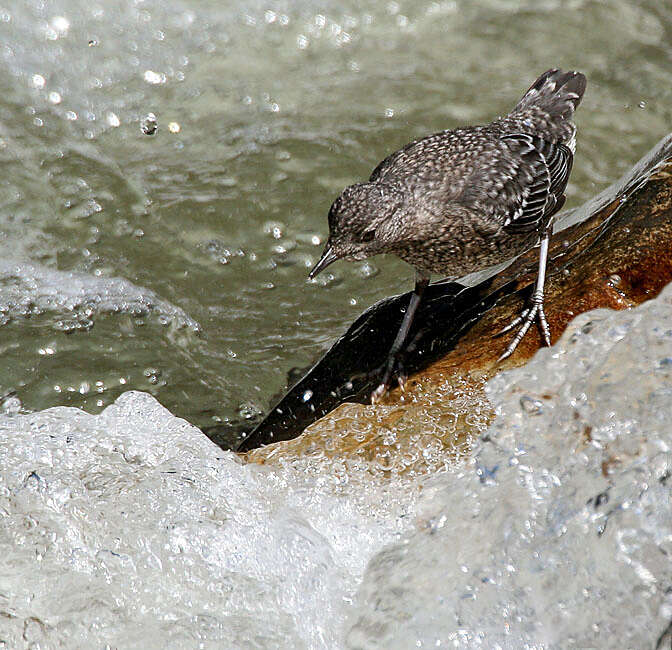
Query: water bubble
x=368, y=270
x=152, y=77
x=38, y=81
x=149, y=124
x=531, y=406
x=152, y=375
x=11, y=404
x=54, y=97
x=247, y=410
x=60, y=25
x=174, y=127
x=113, y=119
x=274, y=228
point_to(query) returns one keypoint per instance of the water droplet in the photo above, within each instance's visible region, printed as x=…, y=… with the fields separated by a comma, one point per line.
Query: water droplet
x=248, y=410
x=152, y=77
x=149, y=124
x=368, y=270
x=530, y=405
x=11, y=405
x=61, y=25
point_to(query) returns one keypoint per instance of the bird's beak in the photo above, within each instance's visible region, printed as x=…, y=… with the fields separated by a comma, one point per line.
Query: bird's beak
x=328, y=256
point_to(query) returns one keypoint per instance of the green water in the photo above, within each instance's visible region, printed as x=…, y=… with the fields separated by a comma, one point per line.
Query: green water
x=265, y=112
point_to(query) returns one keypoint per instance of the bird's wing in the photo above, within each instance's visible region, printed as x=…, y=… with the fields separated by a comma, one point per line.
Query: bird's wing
x=515, y=179
x=536, y=190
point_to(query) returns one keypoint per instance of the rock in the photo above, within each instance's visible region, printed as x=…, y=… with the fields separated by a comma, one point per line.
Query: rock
x=613, y=251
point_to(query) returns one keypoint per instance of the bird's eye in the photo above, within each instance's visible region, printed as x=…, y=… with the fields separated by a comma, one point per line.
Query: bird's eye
x=368, y=236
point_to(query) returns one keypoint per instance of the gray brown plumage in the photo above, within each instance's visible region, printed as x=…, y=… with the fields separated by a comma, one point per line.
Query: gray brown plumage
x=461, y=201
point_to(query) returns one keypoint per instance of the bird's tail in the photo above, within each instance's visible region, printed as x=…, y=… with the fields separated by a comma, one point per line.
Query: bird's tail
x=557, y=93
x=548, y=106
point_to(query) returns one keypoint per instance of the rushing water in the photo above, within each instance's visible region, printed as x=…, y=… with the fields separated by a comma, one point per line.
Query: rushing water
x=130, y=529
x=175, y=263
x=265, y=110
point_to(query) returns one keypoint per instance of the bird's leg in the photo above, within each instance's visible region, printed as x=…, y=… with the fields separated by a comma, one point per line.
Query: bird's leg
x=536, y=308
x=421, y=282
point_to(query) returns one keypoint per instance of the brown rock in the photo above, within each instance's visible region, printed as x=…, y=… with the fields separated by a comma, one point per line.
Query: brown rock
x=615, y=252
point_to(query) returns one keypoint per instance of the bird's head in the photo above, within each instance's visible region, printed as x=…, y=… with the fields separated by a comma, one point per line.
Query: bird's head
x=359, y=223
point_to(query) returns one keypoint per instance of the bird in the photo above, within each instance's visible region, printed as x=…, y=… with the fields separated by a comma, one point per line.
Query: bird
x=463, y=200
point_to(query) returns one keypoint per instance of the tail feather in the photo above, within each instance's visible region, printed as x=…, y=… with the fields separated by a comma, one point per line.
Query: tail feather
x=555, y=92
x=548, y=106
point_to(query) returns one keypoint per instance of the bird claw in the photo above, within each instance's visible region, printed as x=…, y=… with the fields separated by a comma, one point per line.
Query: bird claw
x=527, y=317
x=514, y=323
x=387, y=373
x=377, y=394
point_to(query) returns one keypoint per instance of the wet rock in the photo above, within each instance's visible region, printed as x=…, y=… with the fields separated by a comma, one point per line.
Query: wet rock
x=614, y=252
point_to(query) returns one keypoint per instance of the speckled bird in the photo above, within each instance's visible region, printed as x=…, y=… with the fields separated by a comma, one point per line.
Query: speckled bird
x=461, y=201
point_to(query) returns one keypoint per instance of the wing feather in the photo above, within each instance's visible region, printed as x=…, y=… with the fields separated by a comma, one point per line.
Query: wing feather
x=541, y=181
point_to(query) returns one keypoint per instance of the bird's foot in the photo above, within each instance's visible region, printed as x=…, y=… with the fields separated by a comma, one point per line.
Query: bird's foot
x=392, y=367
x=525, y=320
